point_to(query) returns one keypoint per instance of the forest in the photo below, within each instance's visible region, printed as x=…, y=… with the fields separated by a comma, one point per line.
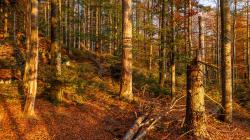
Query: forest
x=124, y=69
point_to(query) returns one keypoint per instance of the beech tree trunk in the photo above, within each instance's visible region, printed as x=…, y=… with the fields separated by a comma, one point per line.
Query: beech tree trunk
x=226, y=65
x=126, y=80
x=33, y=61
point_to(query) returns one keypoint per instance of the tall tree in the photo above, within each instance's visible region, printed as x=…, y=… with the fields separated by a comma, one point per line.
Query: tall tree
x=195, y=108
x=173, y=51
x=162, y=46
x=126, y=80
x=226, y=65
x=190, y=43
x=33, y=61
x=55, y=44
x=55, y=49
x=248, y=45
x=234, y=67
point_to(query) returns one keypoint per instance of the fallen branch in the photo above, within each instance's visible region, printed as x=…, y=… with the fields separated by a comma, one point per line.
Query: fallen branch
x=144, y=133
x=135, y=128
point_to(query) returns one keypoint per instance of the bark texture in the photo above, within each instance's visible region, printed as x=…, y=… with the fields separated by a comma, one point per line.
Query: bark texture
x=126, y=80
x=226, y=65
x=195, y=106
x=33, y=61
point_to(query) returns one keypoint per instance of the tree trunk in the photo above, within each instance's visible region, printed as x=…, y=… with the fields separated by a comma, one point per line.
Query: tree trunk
x=162, y=47
x=218, y=41
x=234, y=67
x=195, y=106
x=33, y=61
x=226, y=65
x=6, y=33
x=202, y=45
x=173, y=51
x=28, y=37
x=126, y=80
x=248, y=45
x=55, y=50
x=190, y=44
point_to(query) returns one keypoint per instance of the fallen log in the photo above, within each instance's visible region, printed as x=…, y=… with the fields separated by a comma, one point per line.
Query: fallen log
x=143, y=133
x=135, y=128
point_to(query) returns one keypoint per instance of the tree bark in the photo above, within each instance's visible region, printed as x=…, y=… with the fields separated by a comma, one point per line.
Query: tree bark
x=195, y=106
x=190, y=44
x=162, y=47
x=173, y=51
x=248, y=45
x=126, y=80
x=55, y=51
x=226, y=65
x=202, y=46
x=33, y=61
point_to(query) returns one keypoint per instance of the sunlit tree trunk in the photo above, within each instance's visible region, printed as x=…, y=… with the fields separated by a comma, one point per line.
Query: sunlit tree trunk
x=218, y=41
x=33, y=61
x=27, y=33
x=226, y=65
x=6, y=33
x=195, y=105
x=202, y=45
x=190, y=44
x=234, y=67
x=126, y=80
x=173, y=51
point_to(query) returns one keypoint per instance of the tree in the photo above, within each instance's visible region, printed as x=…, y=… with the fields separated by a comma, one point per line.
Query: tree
x=33, y=61
x=126, y=80
x=248, y=45
x=190, y=44
x=195, y=104
x=55, y=49
x=162, y=46
x=226, y=65
x=173, y=51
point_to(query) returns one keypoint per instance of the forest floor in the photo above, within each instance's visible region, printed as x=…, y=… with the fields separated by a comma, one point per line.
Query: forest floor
x=97, y=113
